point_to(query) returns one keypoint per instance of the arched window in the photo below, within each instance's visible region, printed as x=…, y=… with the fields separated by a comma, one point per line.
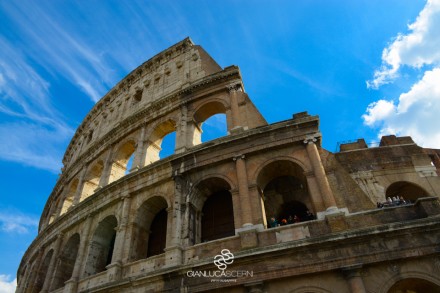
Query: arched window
x=66, y=262
x=168, y=145
x=129, y=164
x=150, y=229
x=285, y=194
x=155, y=141
x=218, y=216
x=91, y=182
x=214, y=127
x=101, y=246
x=414, y=285
x=121, y=159
x=409, y=191
x=39, y=282
x=158, y=234
x=68, y=199
x=209, y=122
x=211, y=212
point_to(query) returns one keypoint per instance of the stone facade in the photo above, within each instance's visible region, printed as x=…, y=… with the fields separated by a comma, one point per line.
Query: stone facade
x=158, y=226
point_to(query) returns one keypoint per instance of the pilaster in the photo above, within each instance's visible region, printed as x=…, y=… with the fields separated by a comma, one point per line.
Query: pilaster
x=321, y=178
x=72, y=284
x=49, y=276
x=243, y=190
x=354, y=278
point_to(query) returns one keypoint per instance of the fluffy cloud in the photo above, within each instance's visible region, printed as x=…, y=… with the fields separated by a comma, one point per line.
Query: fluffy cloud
x=416, y=49
x=7, y=286
x=416, y=113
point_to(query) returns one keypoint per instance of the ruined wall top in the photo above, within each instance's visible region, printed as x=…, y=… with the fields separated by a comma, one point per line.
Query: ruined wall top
x=169, y=71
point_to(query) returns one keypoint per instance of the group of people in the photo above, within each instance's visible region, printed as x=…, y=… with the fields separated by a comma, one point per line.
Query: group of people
x=392, y=201
x=274, y=222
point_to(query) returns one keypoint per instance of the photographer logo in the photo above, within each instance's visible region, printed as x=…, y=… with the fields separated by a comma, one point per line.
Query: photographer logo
x=221, y=261
x=224, y=259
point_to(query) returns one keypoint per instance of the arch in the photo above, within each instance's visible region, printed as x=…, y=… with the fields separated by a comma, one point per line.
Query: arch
x=66, y=262
x=120, y=160
x=414, y=285
x=101, y=246
x=155, y=140
x=41, y=277
x=263, y=169
x=208, y=109
x=407, y=190
x=202, y=114
x=70, y=195
x=150, y=228
x=285, y=193
x=91, y=180
x=426, y=277
x=210, y=211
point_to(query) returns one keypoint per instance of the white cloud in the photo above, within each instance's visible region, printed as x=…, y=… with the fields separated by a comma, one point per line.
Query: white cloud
x=41, y=135
x=378, y=111
x=416, y=113
x=418, y=48
x=17, y=222
x=6, y=284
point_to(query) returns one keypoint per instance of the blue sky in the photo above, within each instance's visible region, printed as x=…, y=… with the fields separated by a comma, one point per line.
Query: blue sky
x=367, y=68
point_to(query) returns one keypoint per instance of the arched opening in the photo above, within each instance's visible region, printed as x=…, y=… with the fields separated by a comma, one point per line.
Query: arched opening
x=129, y=164
x=409, y=191
x=66, y=262
x=68, y=199
x=218, y=216
x=155, y=142
x=150, y=229
x=214, y=127
x=209, y=122
x=39, y=282
x=120, y=161
x=285, y=193
x=210, y=211
x=101, y=247
x=414, y=285
x=168, y=145
x=91, y=181
x=158, y=234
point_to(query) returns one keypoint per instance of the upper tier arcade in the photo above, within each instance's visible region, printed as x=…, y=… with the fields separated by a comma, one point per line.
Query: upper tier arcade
x=175, y=91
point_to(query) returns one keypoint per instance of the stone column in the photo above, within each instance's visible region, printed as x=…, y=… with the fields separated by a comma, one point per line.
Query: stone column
x=181, y=131
x=72, y=284
x=236, y=203
x=173, y=249
x=314, y=192
x=257, y=203
x=233, y=88
x=321, y=178
x=243, y=189
x=50, y=270
x=139, y=156
x=82, y=176
x=105, y=176
x=115, y=268
x=354, y=278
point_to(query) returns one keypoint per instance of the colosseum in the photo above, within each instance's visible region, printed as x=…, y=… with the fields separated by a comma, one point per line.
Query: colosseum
x=262, y=209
